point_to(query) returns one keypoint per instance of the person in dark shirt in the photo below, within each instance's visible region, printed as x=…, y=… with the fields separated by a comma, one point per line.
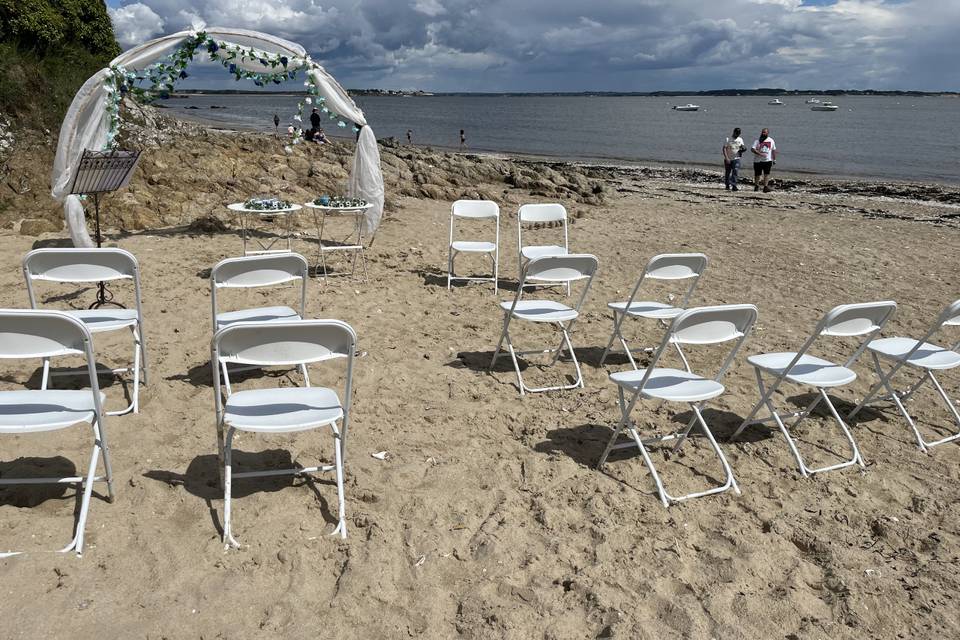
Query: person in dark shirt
x=315, y=119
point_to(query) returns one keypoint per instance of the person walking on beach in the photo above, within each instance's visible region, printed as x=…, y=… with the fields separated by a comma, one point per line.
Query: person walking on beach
x=764, y=151
x=409, y=136
x=463, y=140
x=276, y=125
x=732, y=150
x=315, y=118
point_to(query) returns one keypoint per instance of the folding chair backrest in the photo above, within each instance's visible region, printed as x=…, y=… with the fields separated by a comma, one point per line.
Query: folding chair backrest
x=676, y=266
x=259, y=271
x=707, y=326
x=36, y=334
x=79, y=266
x=28, y=334
x=712, y=325
x=551, y=212
x=284, y=343
x=951, y=315
x=475, y=209
x=851, y=320
x=565, y=268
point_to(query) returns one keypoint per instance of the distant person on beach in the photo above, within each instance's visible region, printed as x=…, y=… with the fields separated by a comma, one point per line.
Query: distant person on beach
x=320, y=137
x=463, y=140
x=409, y=136
x=764, y=151
x=276, y=124
x=315, y=118
x=732, y=150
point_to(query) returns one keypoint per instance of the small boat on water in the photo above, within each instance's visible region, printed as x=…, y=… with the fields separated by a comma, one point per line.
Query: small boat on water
x=686, y=107
x=776, y=102
x=826, y=105
x=813, y=101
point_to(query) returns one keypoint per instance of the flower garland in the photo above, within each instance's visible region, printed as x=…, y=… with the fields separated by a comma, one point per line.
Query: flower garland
x=163, y=76
x=266, y=204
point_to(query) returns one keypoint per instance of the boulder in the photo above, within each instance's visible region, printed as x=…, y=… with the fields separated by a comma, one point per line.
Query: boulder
x=36, y=226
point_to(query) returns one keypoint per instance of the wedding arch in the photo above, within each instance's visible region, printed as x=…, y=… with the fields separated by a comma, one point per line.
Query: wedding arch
x=93, y=119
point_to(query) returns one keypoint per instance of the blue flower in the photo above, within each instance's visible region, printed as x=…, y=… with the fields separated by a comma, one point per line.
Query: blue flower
x=184, y=75
x=232, y=68
x=284, y=60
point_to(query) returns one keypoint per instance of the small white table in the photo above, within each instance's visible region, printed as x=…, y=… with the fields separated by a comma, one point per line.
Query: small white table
x=356, y=214
x=265, y=215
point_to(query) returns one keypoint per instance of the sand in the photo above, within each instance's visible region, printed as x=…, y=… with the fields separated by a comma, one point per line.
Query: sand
x=488, y=519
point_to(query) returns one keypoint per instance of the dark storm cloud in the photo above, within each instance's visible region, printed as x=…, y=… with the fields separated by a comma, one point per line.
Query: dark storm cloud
x=574, y=45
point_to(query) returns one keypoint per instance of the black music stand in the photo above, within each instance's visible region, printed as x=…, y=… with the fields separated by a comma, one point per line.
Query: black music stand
x=103, y=172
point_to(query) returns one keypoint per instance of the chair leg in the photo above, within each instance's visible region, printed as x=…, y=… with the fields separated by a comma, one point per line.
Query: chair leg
x=101, y=442
x=624, y=421
x=618, y=319
x=664, y=497
x=496, y=272
x=503, y=333
x=136, y=370
x=228, y=539
x=341, y=503
x=87, y=487
x=46, y=374
x=449, y=267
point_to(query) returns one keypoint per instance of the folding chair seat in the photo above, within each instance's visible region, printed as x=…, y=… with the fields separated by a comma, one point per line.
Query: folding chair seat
x=33, y=334
x=81, y=266
x=699, y=326
x=922, y=356
x=664, y=267
x=258, y=272
x=475, y=210
x=549, y=270
x=285, y=409
x=801, y=368
x=530, y=214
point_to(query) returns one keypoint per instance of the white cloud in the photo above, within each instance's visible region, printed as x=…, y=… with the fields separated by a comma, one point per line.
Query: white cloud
x=609, y=44
x=135, y=23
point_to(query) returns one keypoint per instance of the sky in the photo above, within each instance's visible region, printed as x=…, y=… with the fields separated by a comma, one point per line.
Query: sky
x=589, y=45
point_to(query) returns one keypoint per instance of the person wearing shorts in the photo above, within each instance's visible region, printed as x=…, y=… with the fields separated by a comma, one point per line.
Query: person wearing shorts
x=764, y=151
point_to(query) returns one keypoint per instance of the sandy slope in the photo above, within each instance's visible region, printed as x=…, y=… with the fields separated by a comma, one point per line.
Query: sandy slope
x=489, y=520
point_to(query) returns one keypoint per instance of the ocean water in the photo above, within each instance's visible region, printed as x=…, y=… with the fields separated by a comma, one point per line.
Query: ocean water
x=880, y=137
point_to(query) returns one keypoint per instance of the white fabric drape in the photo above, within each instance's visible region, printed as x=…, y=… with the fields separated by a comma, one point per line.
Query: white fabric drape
x=87, y=122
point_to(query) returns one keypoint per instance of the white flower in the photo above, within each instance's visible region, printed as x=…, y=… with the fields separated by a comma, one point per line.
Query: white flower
x=308, y=100
x=298, y=118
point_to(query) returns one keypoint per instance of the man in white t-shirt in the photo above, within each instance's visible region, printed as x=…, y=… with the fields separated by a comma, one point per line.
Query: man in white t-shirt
x=764, y=151
x=732, y=150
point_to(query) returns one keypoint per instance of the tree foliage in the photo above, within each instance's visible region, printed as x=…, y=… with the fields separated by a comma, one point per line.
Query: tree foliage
x=48, y=48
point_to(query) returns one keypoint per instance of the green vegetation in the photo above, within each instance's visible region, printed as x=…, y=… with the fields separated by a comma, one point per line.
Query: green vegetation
x=48, y=48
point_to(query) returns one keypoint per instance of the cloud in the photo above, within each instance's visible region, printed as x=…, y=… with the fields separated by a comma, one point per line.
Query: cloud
x=135, y=23
x=569, y=45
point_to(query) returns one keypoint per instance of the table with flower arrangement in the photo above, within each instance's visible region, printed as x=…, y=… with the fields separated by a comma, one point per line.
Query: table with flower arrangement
x=353, y=209
x=266, y=211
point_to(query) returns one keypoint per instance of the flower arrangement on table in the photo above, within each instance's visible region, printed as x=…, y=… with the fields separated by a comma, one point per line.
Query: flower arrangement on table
x=266, y=204
x=340, y=202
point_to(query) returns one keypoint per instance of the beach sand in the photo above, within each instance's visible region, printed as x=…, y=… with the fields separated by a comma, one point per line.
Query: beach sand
x=488, y=519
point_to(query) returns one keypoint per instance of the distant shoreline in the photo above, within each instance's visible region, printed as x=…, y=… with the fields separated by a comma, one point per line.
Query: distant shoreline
x=717, y=93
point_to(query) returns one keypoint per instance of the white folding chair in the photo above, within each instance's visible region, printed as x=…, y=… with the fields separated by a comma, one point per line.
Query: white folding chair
x=923, y=356
x=476, y=210
x=667, y=266
x=549, y=270
x=285, y=409
x=541, y=214
x=256, y=272
x=77, y=266
x=801, y=368
x=699, y=326
x=32, y=334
